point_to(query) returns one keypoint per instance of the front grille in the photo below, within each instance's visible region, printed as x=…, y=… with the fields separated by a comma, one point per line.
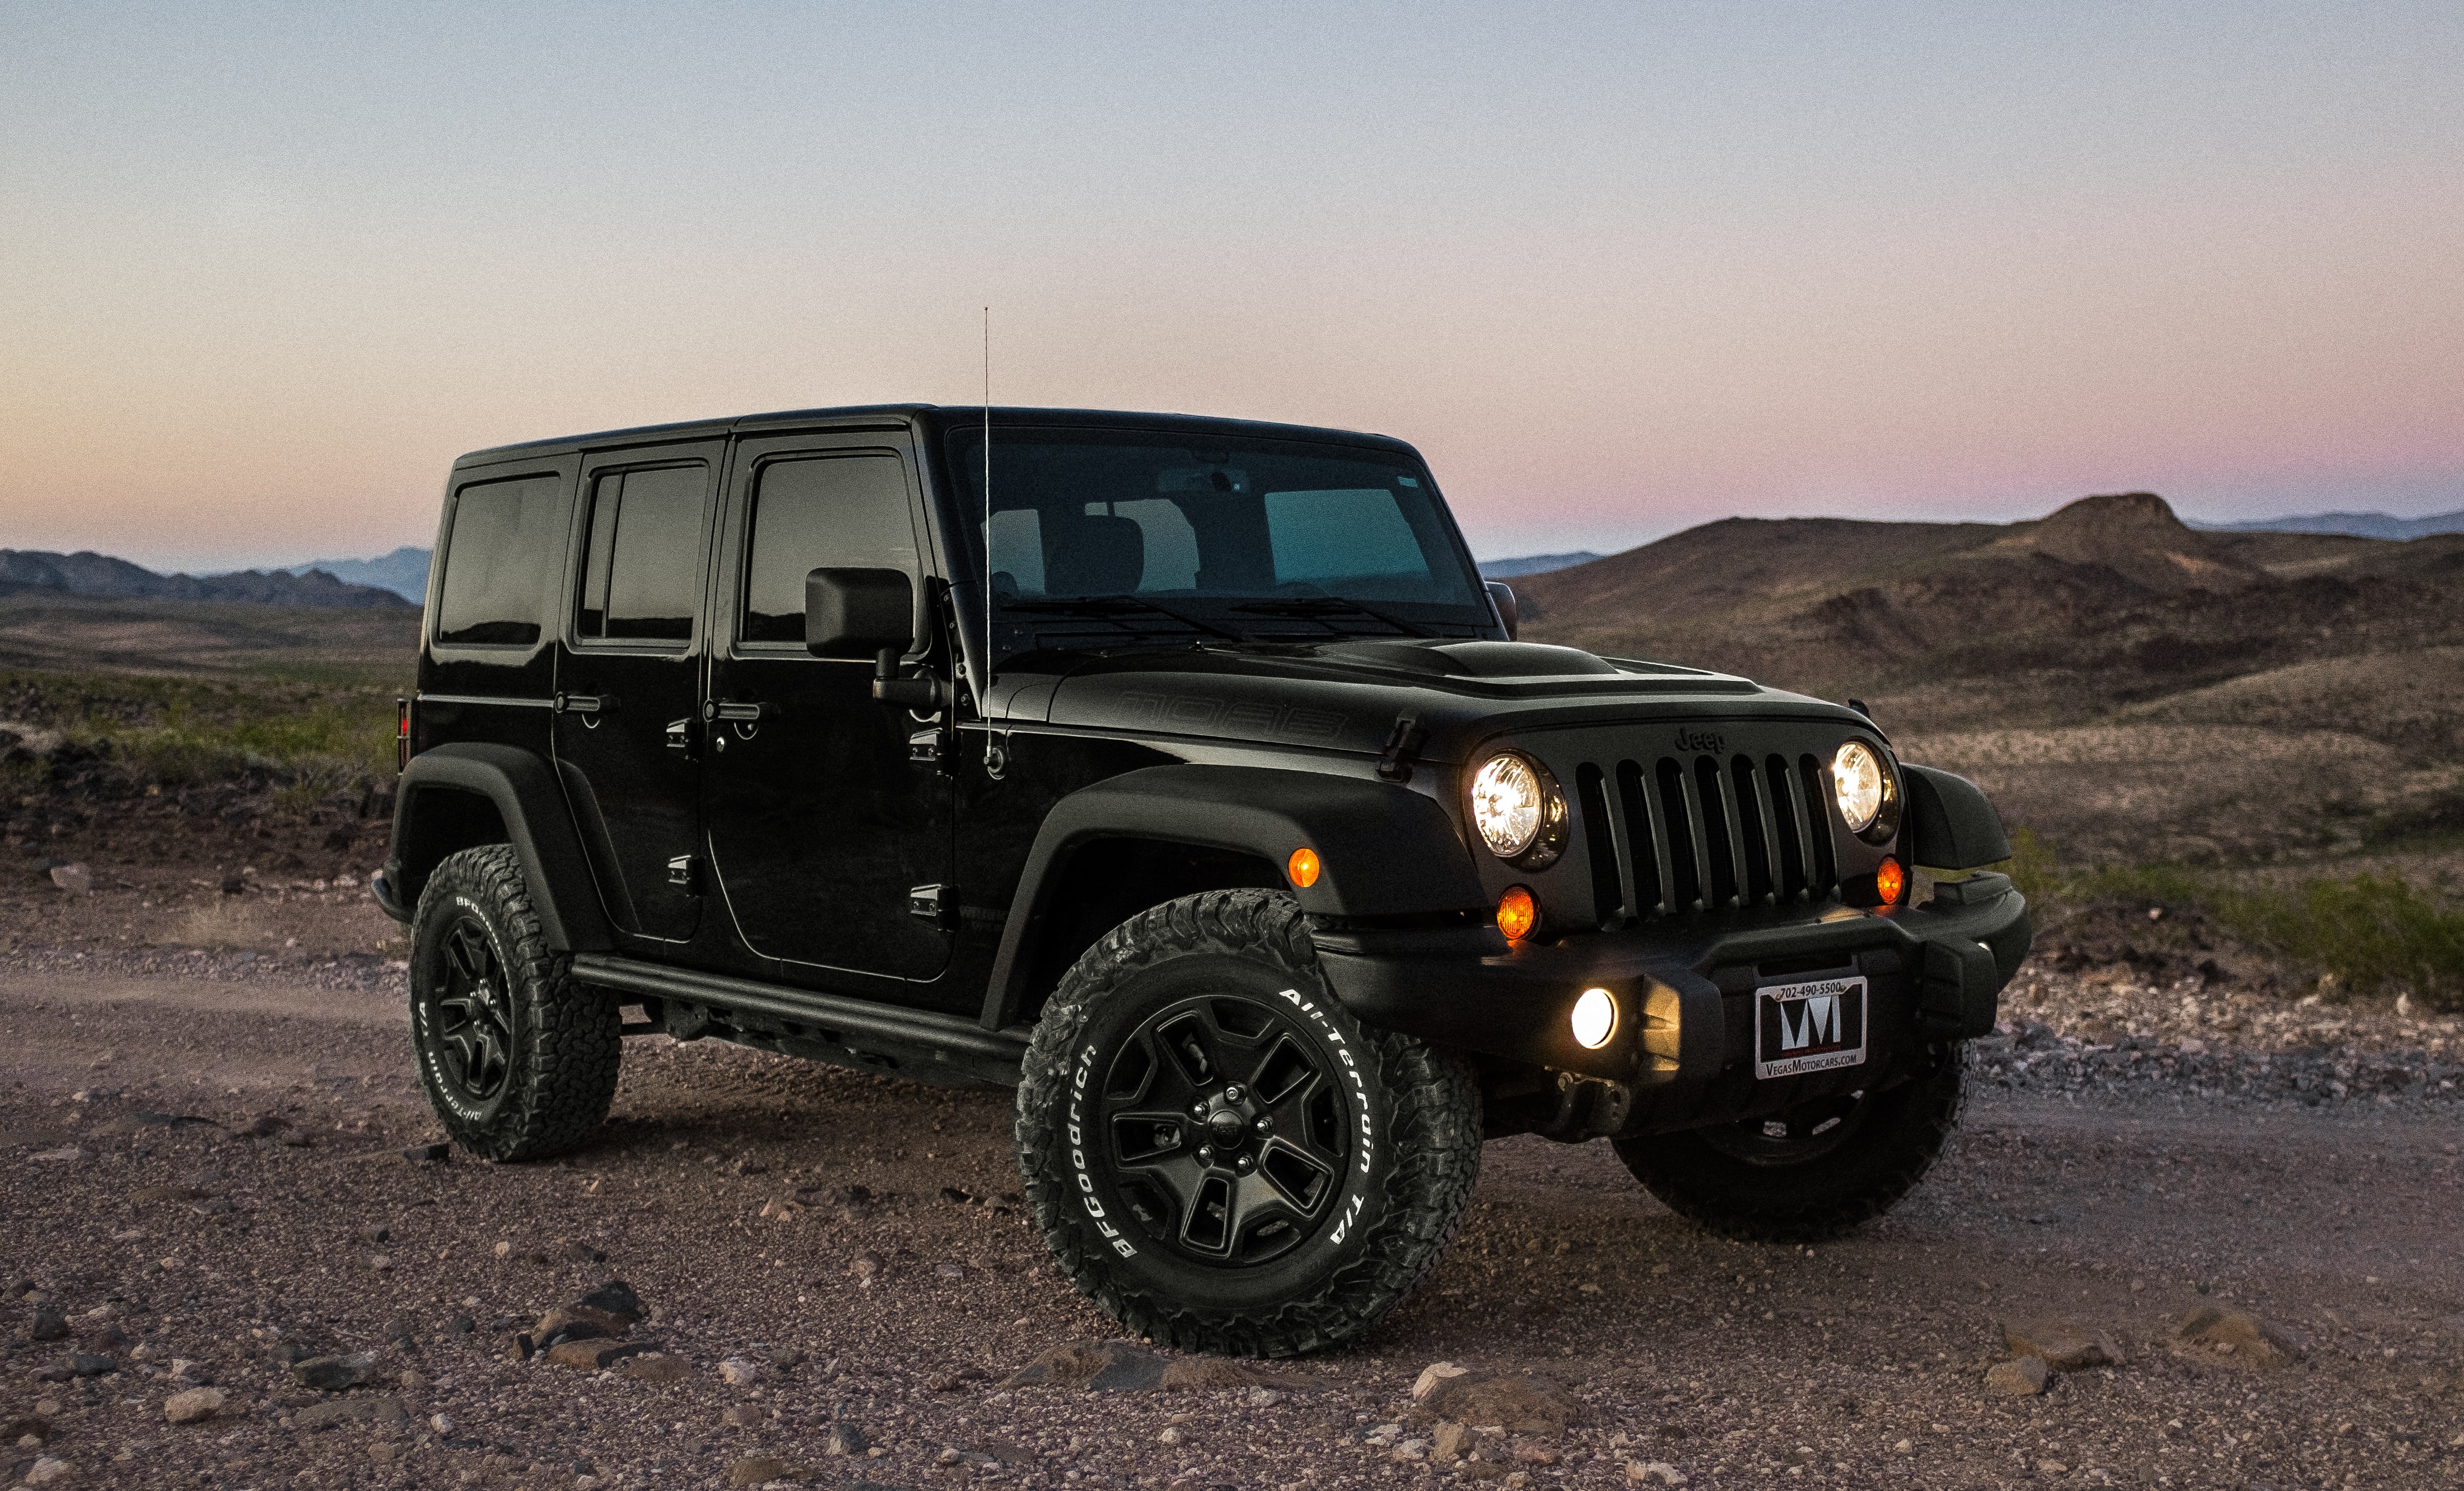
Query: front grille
x=1687, y=834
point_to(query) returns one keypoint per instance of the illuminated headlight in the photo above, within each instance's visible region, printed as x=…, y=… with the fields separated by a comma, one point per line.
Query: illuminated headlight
x=1518, y=811
x=1861, y=783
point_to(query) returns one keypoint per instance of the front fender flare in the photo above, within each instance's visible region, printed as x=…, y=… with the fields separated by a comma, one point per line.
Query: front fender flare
x=1384, y=850
x=522, y=789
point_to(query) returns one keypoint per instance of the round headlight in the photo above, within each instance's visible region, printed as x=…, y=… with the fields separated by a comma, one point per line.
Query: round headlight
x=1508, y=806
x=1862, y=785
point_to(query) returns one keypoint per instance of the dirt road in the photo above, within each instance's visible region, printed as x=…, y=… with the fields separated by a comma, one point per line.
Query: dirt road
x=205, y=1158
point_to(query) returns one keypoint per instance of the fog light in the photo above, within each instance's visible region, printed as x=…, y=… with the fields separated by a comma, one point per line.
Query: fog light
x=1517, y=913
x=1889, y=881
x=1595, y=1018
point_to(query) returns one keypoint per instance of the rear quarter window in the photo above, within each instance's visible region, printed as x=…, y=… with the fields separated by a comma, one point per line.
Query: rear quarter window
x=507, y=538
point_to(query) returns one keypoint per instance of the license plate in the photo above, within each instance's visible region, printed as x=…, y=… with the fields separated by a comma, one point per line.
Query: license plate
x=1809, y=1027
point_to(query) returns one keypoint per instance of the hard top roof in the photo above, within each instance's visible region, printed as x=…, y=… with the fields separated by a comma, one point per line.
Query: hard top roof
x=933, y=418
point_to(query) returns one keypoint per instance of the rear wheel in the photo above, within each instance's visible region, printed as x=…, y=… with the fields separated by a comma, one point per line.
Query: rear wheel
x=1810, y=1172
x=519, y=1061
x=1219, y=1155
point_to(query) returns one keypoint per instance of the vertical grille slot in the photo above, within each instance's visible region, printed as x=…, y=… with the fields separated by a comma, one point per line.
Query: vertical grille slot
x=1754, y=828
x=1719, y=820
x=1612, y=897
x=1794, y=845
x=1684, y=817
x=1817, y=804
x=1648, y=835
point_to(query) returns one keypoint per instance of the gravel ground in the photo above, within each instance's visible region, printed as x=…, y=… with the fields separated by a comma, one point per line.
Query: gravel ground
x=206, y=1179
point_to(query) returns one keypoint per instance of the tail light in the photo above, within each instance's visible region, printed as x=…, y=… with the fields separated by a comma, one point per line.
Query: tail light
x=401, y=732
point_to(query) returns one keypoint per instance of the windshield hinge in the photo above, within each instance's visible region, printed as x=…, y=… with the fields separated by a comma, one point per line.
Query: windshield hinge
x=1402, y=746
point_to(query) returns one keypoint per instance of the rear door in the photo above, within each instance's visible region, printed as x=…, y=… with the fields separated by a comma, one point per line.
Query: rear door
x=822, y=829
x=628, y=686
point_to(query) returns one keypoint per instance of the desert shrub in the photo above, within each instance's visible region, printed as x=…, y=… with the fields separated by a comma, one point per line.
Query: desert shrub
x=306, y=737
x=2372, y=932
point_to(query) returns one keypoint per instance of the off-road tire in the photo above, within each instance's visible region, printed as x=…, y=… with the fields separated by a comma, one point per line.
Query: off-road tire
x=1898, y=1137
x=1404, y=1186
x=560, y=1048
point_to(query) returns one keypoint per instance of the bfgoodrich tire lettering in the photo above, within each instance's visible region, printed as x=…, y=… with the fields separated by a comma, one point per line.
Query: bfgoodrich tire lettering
x=1814, y=1172
x=519, y=1061
x=1339, y=1159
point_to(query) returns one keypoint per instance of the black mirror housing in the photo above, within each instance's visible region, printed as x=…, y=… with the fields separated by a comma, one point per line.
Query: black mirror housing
x=858, y=613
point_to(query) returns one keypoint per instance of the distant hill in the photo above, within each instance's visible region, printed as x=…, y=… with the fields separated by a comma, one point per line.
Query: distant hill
x=2129, y=686
x=88, y=574
x=1533, y=565
x=404, y=571
x=2360, y=525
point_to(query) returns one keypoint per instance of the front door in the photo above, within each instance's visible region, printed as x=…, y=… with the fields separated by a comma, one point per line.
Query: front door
x=628, y=686
x=822, y=829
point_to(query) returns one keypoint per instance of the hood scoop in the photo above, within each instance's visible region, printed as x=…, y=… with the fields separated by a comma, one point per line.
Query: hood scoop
x=1484, y=659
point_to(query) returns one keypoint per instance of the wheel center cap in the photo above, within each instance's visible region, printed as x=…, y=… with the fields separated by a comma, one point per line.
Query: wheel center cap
x=1225, y=1125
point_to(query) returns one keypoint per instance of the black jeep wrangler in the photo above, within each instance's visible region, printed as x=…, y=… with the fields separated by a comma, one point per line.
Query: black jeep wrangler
x=1182, y=775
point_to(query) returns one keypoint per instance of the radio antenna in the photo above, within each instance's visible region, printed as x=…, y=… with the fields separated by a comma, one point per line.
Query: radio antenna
x=984, y=705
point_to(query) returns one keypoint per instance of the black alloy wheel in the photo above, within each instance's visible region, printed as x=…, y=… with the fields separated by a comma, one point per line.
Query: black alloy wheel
x=1226, y=1130
x=518, y=1059
x=474, y=1030
x=1219, y=1155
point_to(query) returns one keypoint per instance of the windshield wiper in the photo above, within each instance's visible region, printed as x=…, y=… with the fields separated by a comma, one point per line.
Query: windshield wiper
x=1110, y=609
x=1319, y=607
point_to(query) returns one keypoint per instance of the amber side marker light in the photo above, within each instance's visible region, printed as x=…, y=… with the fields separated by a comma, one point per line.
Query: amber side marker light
x=1889, y=881
x=1303, y=866
x=1517, y=913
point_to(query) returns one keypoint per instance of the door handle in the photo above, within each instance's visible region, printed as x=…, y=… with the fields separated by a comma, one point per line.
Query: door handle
x=586, y=704
x=732, y=709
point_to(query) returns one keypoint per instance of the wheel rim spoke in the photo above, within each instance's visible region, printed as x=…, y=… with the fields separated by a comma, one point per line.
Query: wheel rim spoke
x=473, y=1028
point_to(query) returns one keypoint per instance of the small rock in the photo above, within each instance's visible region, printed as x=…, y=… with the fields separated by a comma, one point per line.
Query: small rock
x=379, y=1236
x=2240, y=1337
x=1654, y=1473
x=21, y=1431
x=461, y=1326
x=332, y=1373
x=49, y=1325
x=47, y=1470
x=760, y=1470
x=595, y=1355
x=864, y=1266
x=381, y=1263
x=743, y=1416
x=1523, y=1403
x=75, y=879
x=83, y=1364
x=2064, y=1346
x=846, y=1439
x=1411, y=1449
x=737, y=1373
x=1170, y=1435
x=433, y=1155
x=1265, y=1398
x=654, y=1368
x=615, y=1298
x=1433, y=1376
x=193, y=1406
x=2020, y=1378
x=1451, y=1441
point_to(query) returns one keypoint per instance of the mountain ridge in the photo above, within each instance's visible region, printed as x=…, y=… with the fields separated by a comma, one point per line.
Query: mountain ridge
x=88, y=574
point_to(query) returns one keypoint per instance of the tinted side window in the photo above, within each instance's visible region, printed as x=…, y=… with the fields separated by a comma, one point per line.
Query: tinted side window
x=641, y=576
x=814, y=513
x=499, y=556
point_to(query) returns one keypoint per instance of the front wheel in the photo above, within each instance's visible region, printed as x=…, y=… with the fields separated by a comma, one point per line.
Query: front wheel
x=519, y=1061
x=1811, y=1172
x=1219, y=1155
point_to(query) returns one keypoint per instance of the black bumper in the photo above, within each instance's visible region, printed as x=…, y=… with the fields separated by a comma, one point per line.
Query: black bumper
x=1684, y=989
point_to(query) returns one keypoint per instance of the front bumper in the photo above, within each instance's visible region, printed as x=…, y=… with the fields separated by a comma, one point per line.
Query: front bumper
x=1685, y=990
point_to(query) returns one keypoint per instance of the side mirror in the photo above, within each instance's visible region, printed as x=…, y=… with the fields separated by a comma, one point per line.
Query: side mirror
x=858, y=613
x=1502, y=595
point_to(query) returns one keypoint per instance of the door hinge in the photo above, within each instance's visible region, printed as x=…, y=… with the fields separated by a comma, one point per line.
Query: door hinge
x=924, y=746
x=935, y=904
x=684, y=872
x=680, y=736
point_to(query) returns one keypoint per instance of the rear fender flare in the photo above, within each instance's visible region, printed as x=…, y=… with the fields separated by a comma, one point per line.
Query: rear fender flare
x=1383, y=850
x=523, y=788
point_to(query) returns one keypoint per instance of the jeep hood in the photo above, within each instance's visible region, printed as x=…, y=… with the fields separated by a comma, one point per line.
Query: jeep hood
x=1347, y=695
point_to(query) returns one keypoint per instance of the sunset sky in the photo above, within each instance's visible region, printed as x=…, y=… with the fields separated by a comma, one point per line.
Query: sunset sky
x=1617, y=269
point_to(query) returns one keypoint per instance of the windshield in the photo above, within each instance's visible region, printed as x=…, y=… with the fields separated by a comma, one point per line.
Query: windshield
x=1105, y=535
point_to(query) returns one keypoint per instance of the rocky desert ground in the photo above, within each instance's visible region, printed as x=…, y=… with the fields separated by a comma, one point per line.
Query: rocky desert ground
x=2195, y=1232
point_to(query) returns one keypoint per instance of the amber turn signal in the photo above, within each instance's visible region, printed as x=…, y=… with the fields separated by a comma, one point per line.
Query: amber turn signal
x=1517, y=913
x=1889, y=881
x=1303, y=866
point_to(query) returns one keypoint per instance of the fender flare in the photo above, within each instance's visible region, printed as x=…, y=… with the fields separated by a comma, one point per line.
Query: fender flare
x=523, y=788
x=1951, y=825
x=1383, y=850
